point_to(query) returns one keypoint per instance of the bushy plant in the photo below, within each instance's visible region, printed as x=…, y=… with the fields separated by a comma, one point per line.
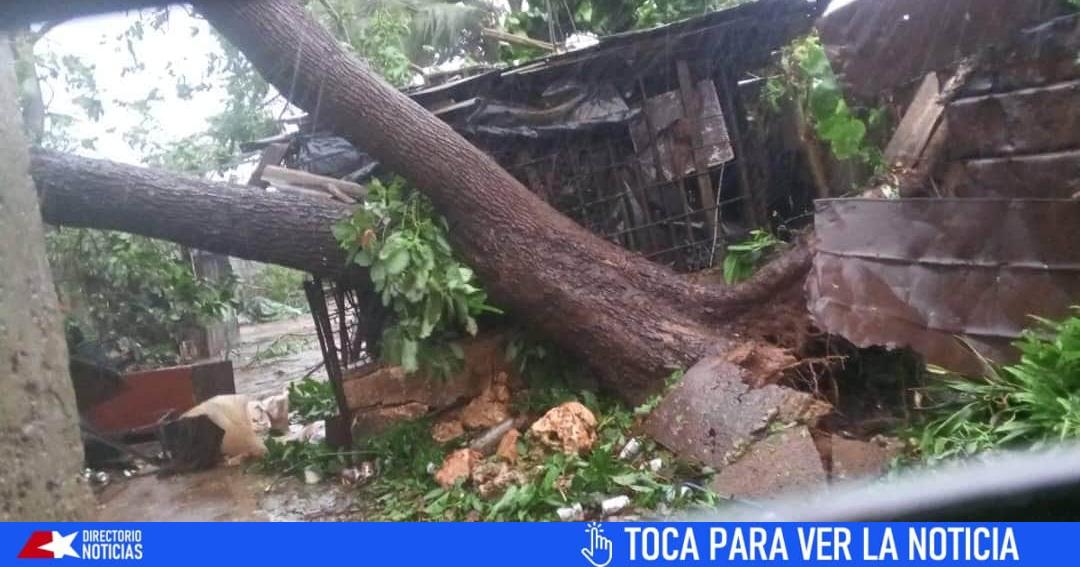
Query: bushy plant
x=138, y=290
x=399, y=238
x=1034, y=401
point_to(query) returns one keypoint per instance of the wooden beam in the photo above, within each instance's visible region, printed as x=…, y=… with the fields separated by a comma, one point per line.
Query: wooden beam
x=917, y=126
x=296, y=178
x=691, y=105
x=517, y=39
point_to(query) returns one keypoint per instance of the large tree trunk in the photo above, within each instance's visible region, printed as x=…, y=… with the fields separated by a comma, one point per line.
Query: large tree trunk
x=630, y=318
x=282, y=227
x=40, y=451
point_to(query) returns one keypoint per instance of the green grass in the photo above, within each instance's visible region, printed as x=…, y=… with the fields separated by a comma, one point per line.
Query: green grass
x=1032, y=402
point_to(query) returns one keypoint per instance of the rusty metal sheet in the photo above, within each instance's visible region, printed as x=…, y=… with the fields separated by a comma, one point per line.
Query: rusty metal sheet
x=1027, y=121
x=920, y=272
x=1043, y=55
x=879, y=45
x=1042, y=176
x=144, y=397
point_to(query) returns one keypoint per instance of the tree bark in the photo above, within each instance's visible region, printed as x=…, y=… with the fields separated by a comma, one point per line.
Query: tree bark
x=281, y=227
x=40, y=450
x=631, y=319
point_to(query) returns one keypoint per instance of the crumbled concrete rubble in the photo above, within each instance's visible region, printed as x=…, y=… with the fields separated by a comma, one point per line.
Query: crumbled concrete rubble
x=492, y=478
x=447, y=430
x=507, y=449
x=457, y=466
x=712, y=415
x=852, y=459
x=759, y=438
x=491, y=407
x=570, y=428
x=787, y=461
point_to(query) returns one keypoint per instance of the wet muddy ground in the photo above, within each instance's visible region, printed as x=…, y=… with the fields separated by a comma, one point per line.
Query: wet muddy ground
x=231, y=493
x=225, y=494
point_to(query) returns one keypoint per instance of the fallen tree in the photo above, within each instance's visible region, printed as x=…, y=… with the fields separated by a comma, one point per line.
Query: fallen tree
x=282, y=227
x=630, y=319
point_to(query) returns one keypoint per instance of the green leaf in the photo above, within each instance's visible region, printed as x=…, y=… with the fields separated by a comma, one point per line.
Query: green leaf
x=362, y=258
x=397, y=262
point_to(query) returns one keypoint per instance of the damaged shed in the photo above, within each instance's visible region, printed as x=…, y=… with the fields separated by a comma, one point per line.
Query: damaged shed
x=643, y=138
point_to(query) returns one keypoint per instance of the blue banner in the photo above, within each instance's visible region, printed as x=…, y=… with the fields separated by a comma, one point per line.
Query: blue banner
x=540, y=544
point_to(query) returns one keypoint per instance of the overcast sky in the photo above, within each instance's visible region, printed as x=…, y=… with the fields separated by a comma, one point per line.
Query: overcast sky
x=184, y=44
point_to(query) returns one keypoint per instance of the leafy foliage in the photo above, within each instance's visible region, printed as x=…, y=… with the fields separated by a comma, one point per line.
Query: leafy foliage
x=294, y=457
x=1034, y=401
x=312, y=400
x=807, y=79
x=393, y=35
x=282, y=346
x=743, y=258
x=396, y=234
x=141, y=291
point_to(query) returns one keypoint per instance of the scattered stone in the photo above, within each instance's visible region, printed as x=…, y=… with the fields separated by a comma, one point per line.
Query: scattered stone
x=487, y=442
x=573, y=513
x=712, y=414
x=447, y=430
x=630, y=449
x=862, y=459
x=782, y=462
x=507, y=450
x=457, y=465
x=490, y=408
x=656, y=464
x=312, y=476
x=570, y=428
x=614, y=505
x=492, y=479
x=431, y=468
